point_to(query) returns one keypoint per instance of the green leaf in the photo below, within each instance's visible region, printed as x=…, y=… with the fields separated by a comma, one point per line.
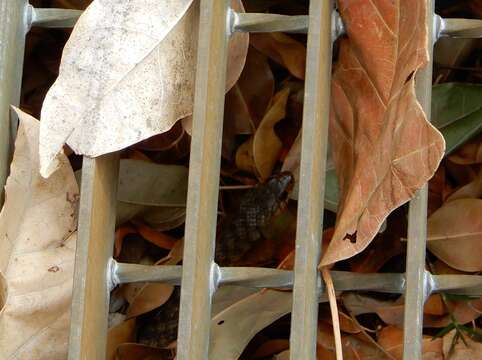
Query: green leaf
x=454, y=297
x=462, y=130
x=454, y=101
x=444, y=331
x=457, y=112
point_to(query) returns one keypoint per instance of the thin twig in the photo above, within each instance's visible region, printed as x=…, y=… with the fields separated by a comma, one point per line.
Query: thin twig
x=334, y=312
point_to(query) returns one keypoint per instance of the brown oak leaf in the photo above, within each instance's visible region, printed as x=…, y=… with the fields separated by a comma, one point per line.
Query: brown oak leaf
x=383, y=146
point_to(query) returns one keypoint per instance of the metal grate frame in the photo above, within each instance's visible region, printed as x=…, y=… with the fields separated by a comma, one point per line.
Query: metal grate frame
x=96, y=272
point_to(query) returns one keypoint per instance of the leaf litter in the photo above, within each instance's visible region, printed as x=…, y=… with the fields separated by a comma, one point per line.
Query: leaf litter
x=262, y=123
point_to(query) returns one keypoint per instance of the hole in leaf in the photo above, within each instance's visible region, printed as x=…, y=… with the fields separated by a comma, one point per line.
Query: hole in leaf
x=351, y=237
x=221, y=322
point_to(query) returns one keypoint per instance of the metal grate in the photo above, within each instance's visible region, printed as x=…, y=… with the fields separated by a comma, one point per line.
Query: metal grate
x=96, y=272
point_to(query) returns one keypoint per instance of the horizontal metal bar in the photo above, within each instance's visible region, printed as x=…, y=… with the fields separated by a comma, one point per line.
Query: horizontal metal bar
x=272, y=278
x=53, y=18
x=461, y=28
x=457, y=284
x=123, y=273
x=259, y=23
x=255, y=277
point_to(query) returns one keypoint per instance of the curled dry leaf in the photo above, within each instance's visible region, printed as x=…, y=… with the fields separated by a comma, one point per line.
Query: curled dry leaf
x=37, y=251
x=454, y=234
x=127, y=74
x=248, y=100
x=284, y=50
x=266, y=145
x=383, y=147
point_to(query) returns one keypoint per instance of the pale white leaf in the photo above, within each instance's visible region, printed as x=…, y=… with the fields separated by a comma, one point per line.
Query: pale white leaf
x=37, y=248
x=127, y=73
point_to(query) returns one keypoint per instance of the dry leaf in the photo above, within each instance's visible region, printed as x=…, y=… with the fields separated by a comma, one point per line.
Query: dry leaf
x=471, y=190
x=37, y=248
x=132, y=351
x=383, y=147
x=266, y=144
x=122, y=333
x=233, y=328
x=470, y=153
x=282, y=49
x=270, y=348
x=144, y=297
x=454, y=234
x=461, y=351
x=245, y=157
x=391, y=312
x=127, y=74
x=354, y=347
x=391, y=339
x=248, y=100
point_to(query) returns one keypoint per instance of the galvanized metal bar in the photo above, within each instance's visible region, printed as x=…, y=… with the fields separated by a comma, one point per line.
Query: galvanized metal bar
x=304, y=319
x=417, y=282
x=457, y=284
x=198, y=277
x=123, y=273
x=256, y=277
x=53, y=18
x=259, y=22
x=13, y=27
x=461, y=28
x=90, y=298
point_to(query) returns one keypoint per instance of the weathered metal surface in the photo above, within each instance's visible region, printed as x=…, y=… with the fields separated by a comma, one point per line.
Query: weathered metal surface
x=13, y=28
x=53, y=18
x=417, y=283
x=204, y=166
x=259, y=23
x=304, y=318
x=95, y=241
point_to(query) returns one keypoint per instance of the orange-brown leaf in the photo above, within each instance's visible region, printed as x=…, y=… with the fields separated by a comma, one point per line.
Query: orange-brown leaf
x=383, y=147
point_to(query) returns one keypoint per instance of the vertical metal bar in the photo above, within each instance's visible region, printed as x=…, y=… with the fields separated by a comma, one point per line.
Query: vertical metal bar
x=198, y=276
x=304, y=320
x=416, y=292
x=90, y=298
x=13, y=27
